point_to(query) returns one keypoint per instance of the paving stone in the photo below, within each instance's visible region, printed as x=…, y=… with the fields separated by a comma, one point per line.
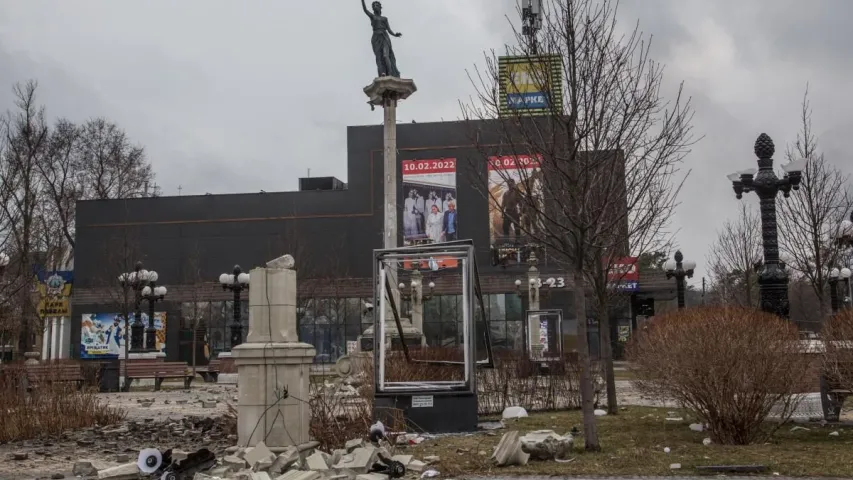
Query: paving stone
x=258, y=454
x=299, y=475
x=84, y=468
x=359, y=461
x=128, y=471
x=233, y=461
x=316, y=462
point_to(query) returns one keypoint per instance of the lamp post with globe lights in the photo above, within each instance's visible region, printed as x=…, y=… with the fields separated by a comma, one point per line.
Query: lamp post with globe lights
x=837, y=276
x=137, y=281
x=4, y=262
x=772, y=275
x=679, y=268
x=237, y=281
x=153, y=293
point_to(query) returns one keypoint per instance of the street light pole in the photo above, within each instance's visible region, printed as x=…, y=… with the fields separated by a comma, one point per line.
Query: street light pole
x=772, y=274
x=679, y=269
x=833, y=289
x=237, y=281
x=152, y=293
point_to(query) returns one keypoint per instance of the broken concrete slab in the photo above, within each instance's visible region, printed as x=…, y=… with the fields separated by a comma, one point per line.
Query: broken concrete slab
x=416, y=466
x=372, y=476
x=299, y=475
x=359, y=461
x=261, y=476
x=285, y=460
x=353, y=444
x=317, y=462
x=258, y=454
x=128, y=471
x=508, y=451
x=84, y=468
x=547, y=445
x=233, y=461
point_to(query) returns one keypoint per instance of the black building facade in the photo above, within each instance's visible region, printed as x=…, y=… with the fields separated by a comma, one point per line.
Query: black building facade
x=331, y=228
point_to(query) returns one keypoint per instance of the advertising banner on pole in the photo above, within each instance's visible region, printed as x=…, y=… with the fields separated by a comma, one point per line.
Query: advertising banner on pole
x=624, y=274
x=430, y=207
x=54, y=289
x=530, y=85
x=516, y=200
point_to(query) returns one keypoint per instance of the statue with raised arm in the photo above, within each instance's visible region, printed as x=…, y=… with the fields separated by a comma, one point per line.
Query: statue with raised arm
x=386, y=63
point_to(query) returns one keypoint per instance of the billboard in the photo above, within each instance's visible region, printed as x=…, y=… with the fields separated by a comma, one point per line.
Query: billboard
x=515, y=202
x=624, y=274
x=54, y=290
x=103, y=335
x=430, y=207
x=530, y=85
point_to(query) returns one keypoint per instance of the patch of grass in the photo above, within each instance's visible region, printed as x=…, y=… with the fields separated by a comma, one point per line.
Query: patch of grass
x=633, y=443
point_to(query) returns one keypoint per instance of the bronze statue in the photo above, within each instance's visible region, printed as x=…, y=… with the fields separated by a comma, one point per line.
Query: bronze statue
x=386, y=63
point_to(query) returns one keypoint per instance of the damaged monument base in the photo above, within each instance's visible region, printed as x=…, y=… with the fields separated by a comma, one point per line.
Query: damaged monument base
x=273, y=365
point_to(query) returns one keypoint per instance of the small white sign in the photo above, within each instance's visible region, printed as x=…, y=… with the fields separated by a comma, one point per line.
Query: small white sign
x=422, y=401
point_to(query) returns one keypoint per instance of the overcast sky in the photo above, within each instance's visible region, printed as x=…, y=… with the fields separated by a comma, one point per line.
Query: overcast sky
x=232, y=96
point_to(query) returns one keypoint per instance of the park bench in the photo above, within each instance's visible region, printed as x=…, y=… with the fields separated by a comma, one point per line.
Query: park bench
x=157, y=370
x=49, y=373
x=833, y=392
x=210, y=372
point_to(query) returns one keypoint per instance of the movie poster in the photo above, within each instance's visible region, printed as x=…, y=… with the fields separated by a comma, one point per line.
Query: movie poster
x=515, y=200
x=102, y=335
x=430, y=209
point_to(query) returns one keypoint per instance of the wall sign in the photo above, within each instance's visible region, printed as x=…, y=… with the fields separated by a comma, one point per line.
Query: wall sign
x=422, y=401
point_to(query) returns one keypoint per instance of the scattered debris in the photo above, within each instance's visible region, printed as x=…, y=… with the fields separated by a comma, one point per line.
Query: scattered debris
x=797, y=427
x=488, y=426
x=666, y=450
x=674, y=419
x=514, y=412
x=834, y=434
x=599, y=412
x=697, y=427
x=431, y=473
x=706, y=441
x=18, y=456
x=675, y=466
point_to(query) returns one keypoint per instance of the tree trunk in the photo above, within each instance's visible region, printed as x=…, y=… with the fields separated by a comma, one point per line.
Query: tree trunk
x=590, y=432
x=607, y=356
x=194, y=333
x=126, y=351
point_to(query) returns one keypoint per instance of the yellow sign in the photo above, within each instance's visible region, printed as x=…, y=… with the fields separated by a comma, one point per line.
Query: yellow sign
x=54, y=288
x=530, y=85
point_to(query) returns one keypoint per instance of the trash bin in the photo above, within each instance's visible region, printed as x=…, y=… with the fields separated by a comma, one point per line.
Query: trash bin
x=108, y=375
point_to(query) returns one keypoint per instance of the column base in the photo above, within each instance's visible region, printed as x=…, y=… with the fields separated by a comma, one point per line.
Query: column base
x=274, y=392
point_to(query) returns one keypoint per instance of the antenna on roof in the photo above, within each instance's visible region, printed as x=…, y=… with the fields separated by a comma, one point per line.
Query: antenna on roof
x=531, y=20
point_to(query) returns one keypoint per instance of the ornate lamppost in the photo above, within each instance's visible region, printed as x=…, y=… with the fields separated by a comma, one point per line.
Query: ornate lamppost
x=680, y=269
x=153, y=293
x=844, y=238
x=772, y=275
x=237, y=281
x=136, y=281
x=4, y=262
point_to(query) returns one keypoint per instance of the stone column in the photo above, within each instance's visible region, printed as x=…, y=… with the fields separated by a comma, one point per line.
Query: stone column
x=273, y=366
x=386, y=92
x=45, y=338
x=63, y=347
x=54, y=339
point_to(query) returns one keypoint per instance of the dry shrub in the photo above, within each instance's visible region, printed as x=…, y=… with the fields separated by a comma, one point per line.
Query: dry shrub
x=49, y=408
x=837, y=334
x=336, y=418
x=730, y=366
x=514, y=380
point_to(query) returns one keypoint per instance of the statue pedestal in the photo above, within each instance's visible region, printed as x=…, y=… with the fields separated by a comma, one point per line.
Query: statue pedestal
x=267, y=371
x=273, y=365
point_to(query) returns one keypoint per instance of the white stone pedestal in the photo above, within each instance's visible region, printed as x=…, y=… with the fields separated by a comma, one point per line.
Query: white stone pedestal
x=266, y=372
x=274, y=367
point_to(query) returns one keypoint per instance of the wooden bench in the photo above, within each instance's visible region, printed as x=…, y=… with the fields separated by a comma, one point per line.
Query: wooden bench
x=833, y=392
x=157, y=370
x=209, y=372
x=46, y=373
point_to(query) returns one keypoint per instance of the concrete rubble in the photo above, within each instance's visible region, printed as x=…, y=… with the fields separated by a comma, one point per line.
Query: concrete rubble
x=547, y=445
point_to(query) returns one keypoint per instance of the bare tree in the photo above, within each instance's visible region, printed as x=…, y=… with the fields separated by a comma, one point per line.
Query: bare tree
x=196, y=306
x=24, y=134
x=808, y=219
x=733, y=256
x=606, y=153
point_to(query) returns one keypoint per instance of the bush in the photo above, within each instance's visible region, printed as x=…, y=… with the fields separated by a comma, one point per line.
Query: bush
x=730, y=366
x=50, y=408
x=837, y=335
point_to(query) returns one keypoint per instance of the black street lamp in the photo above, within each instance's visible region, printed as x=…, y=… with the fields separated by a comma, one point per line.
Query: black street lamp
x=680, y=269
x=153, y=294
x=772, y=275
x=236, y=282
x=137, y=281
